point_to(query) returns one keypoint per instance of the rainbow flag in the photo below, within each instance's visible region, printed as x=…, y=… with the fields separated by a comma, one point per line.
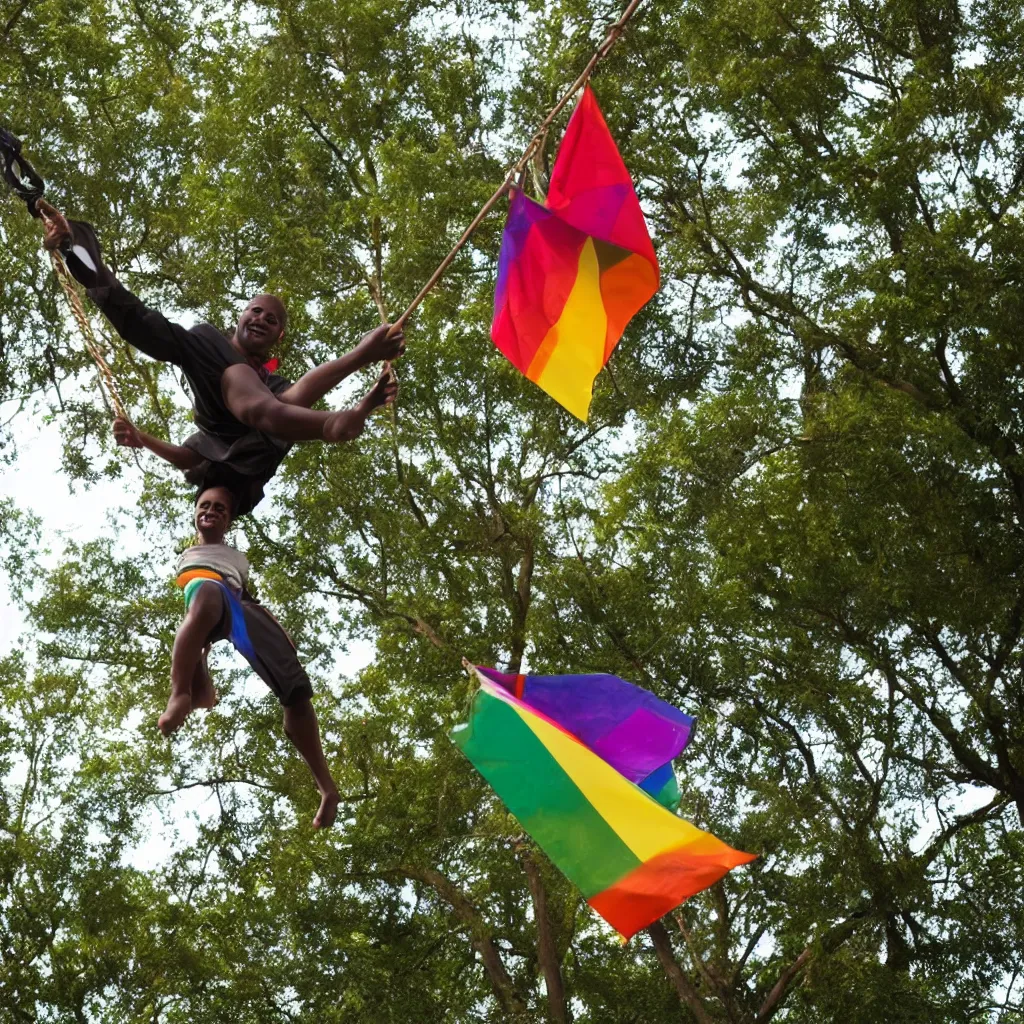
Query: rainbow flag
x=632, y=859
x=574, y=270
x=630, y=728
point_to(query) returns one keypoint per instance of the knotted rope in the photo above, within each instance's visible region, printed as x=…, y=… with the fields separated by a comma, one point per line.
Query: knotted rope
x=106, y=375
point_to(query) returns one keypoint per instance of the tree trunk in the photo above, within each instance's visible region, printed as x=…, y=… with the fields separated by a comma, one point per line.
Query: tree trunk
x=547, y=953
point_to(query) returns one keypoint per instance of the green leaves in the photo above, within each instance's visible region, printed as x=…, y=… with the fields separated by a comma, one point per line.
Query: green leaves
x=796, y=513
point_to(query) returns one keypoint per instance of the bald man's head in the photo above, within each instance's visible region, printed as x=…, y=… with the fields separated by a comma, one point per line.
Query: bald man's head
x=261, y=325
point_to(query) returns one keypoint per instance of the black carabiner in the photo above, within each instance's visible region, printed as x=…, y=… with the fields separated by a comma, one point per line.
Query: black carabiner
x=24, y=182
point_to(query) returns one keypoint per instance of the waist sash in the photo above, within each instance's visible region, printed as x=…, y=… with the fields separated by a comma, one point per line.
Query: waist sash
x=190, y=580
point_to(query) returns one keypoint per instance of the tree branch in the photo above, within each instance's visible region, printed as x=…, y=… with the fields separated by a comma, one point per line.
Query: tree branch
x=480, y=934
x=828, y=943
x=547, y=954
x=685, y=989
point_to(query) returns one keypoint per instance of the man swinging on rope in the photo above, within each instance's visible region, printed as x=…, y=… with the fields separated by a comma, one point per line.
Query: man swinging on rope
x=247, y=415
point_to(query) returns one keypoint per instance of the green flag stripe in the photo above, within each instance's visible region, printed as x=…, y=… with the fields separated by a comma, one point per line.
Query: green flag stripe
x=533, y=786
x=669, y=796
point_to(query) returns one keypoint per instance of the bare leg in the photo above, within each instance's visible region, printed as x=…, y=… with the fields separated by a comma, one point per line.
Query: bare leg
x=203, y=614
x=203, y=693
x=256, y=406
x=301, y=728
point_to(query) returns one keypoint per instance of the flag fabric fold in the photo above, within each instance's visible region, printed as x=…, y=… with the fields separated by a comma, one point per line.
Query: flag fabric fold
x=574, y=270
x=632, y=859
x=638, y=734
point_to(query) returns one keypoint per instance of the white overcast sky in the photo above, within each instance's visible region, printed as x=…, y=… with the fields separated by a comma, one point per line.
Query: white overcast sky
x=37, y=484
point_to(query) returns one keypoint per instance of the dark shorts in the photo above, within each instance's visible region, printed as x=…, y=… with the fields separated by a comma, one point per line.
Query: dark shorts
x=270, y=651
x=243, y=465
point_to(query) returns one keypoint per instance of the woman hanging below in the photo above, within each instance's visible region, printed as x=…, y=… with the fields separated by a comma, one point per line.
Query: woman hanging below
x=247, y=415
x=213, y=576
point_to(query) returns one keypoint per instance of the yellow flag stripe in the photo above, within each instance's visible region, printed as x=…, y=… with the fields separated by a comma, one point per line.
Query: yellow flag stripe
x=646, y=827
x=575, y=344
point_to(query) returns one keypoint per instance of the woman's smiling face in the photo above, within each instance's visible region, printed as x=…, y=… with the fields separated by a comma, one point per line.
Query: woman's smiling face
x=213, y=513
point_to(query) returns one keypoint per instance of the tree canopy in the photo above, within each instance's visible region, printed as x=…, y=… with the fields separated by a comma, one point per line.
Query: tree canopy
x=797, y=512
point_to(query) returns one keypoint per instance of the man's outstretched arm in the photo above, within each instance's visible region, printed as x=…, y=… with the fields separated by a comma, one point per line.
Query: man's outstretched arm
x=129, y=436
x=375, y=347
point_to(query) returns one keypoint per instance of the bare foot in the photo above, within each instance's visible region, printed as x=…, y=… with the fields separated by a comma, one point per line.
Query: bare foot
x=177, y=710
x=328, y=810
x=204, y=696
